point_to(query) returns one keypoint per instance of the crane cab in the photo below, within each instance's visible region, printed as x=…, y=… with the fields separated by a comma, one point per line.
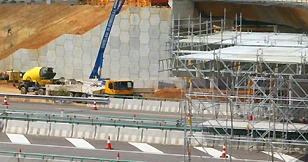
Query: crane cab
x=119, y=87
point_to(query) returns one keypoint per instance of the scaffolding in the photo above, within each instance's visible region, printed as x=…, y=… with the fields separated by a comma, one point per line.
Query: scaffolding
x=247, y=90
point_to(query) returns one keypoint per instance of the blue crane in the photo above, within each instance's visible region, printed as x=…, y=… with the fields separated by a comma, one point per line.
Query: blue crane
x=96, y=72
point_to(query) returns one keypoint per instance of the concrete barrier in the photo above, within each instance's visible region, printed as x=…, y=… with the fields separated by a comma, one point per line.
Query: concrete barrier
x=154, y=136
x=198, y=141
x=116, y=103
x=15, y=126
x=168, y=106
x=151, y=105
x=130, y=134
x=102, y=133
x=132, y=104
x=175, y=138
x=61, y=130
x=39, y=128
x=84, y=131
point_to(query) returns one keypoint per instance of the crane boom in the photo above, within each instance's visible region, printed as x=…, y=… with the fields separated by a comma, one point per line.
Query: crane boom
x=96, y=72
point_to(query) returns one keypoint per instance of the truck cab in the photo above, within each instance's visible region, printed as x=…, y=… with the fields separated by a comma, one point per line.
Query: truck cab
x=119, y=87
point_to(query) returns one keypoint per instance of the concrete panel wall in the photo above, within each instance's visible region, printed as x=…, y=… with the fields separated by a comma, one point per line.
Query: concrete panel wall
x=137, y=41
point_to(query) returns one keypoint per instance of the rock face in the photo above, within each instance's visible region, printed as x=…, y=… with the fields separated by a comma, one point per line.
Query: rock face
x=137, y=41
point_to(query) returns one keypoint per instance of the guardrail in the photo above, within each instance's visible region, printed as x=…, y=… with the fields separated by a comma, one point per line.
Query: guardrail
x=90, y=116
x=138, y=97
x=59, y=98
x=140, y=125
x=60, y=157
x=99, y=123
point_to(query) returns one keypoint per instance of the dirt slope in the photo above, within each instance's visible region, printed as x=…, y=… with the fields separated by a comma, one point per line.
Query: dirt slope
x=35, y=25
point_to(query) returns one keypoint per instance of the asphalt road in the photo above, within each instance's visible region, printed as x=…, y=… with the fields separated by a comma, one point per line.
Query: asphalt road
x=62, y=146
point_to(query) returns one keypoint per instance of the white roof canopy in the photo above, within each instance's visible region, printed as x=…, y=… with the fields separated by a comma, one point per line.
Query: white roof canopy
x=249, y=54
x=251, y=39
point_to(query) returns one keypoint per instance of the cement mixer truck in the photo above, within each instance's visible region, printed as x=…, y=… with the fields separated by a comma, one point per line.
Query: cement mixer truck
x=35, y=79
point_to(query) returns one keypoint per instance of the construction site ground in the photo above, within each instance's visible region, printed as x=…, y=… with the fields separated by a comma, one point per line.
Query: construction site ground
x=7, y=87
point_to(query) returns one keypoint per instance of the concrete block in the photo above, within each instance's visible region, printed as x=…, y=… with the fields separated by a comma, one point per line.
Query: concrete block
x=61, y=130
x=144, y=51
x=130, y=134
x=132, y=104
x=116, y=103
x=154, y=136
x=134, y=19
x=151, y=105
x=17, y=127
x=154, y=19
x=168, y=106
x=144, y=38
x=144, y=73
x=39, y=128
x=102, y=133
x=83, y=131
x=175, y=138
x=145, y=13
x=144, y=25
x=124, y=25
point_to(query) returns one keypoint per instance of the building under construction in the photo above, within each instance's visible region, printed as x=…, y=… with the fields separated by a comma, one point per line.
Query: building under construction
x=248, y=90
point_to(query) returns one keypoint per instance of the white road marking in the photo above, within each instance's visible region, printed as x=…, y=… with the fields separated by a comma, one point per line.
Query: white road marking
x=283, y=157
x=211, y=151
x=146, y=147
x=116, y=151
x=18, y=138
x=80, y=143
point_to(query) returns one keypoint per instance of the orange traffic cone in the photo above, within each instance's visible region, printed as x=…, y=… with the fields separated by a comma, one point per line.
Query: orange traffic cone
x=19, y=155
x=108, y=146
x=94, y=106
x=5, y=101
x=223, y=154
x=6, y=107
x=303, y=120
x=118, y=156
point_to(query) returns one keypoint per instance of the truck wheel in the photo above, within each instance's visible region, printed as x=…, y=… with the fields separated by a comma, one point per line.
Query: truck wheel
x=77, y=95
x=23, y=90
x=41, y=92
x=85, y=96
x=72, y=94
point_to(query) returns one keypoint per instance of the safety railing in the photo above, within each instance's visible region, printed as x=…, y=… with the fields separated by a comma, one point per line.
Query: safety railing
x=60, y=157
x=73, y=116
x=101, y=123
x=100, y=100
x=140, y=98
x=197, y=127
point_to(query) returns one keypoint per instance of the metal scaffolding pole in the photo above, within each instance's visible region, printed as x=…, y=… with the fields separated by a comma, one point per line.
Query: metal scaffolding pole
x=267, y=98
